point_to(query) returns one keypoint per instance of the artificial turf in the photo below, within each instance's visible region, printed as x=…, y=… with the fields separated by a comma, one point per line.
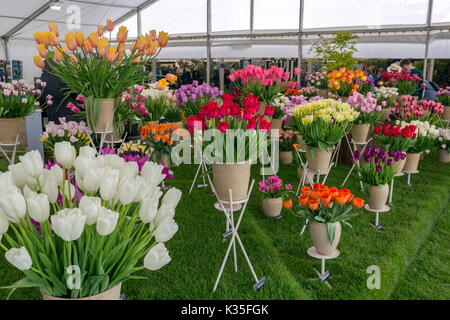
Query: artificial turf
x=411, y=250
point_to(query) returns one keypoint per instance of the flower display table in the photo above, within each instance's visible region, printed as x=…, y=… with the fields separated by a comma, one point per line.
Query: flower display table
x=377, y=225
x=14, y=145
x=323, y=274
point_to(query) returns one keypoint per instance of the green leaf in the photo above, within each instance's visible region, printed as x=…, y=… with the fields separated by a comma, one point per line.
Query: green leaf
x=331, y=227
x=22, y=283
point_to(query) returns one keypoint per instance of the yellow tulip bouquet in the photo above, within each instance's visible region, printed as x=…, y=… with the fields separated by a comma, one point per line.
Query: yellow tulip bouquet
x=324, y=122
x=93, y=67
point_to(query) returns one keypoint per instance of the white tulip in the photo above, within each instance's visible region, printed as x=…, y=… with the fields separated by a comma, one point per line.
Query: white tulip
x=106, y=221
x=165, y=230
x=146, y=189
x=152, y=172
x=90, y=206
x=12, y=204
x=68, y=223
x=69, y=190
x=129, y=170
x=79, y=181
x=51, y=190
x=148, y=209
x=82, y=164
x=19, y=258
x=109, y=184
x=114, y=161
x=32, y=163
x=157, y=257
x=26, y=192
x=6, y=179
x=38, y=207
x=172, y=197
x=88, y=152
x=56, y=173
x=164, y=211
x=128, y=189
x=18, y=175
x=4, y=223
x=65, y=154
x=92, y=178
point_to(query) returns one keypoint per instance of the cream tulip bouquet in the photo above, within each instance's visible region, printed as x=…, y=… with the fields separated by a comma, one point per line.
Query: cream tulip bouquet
x=93, y=232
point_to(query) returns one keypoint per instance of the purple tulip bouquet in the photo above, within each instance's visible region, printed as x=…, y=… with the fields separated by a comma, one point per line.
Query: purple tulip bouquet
x=191, y=96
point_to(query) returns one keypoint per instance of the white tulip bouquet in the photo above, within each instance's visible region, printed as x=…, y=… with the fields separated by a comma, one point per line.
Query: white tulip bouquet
x=93, y=232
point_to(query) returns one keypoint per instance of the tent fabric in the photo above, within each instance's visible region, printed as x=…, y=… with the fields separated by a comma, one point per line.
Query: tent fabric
x=272, y=33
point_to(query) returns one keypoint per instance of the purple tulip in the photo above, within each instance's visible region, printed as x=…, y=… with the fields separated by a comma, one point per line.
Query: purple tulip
x=389, y=162
x=379, y=168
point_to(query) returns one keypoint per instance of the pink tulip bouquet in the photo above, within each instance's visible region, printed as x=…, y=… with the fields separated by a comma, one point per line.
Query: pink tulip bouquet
x=422, y=110
x=366, y=105
x=272, y=187
x=443, y=96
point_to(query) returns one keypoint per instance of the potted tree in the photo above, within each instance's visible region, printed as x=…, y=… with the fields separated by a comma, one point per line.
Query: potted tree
x=91, y=233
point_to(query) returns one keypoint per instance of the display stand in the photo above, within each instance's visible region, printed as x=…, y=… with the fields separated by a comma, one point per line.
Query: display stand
x=3, y=147
x=229, y=214
x=409, y=184
x=305, y=173
x=355, y=148
x=377, y=225
x=391, y=189
x=323, y=274
x=102, y=138
x=201, y=166
x=112, y=142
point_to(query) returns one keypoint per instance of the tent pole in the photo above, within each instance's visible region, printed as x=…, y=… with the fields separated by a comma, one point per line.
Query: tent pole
x=208, y=41
x=300, y=30
x=139, y=22
x=427, y=41
x=5, y=43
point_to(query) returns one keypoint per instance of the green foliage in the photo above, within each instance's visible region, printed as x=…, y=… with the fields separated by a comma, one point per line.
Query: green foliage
x=173, y=114
x=336, y=52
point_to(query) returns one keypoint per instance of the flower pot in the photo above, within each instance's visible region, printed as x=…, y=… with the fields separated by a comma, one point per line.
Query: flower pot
x=443, y=156
x=105, y=115
x=320, y=161
x=320, y=238
x=271, y=207
x=164, y=157
x=9, y=129
x=400, y=98
x=299, y=173
x=234, y=176
x=110, y=294
x=378, y=196
x=385, y=114
x=400, y=165
x=322, y=93
x=360, y=132
x=422, y=156
x=286, y=157
x=446, y=114
x=412, y=161
x=276, y=125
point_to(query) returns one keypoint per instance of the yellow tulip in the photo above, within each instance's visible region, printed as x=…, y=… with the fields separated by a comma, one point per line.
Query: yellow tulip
x=99, y=31
x=87, y=46
x=38, y=62
x=122, y=35
x=58, y=55
x=161, y=84
x=42, y=50
x=152, y=35
x=152, y=48
x=93, y=39
x=112, y=54
x=163, y=39
x=79, y=37
x=109, y=25
x=53, y=27
x=71, y=41
x=38, y=37
x=54, y=41
x=102, y=46
x=74, y=58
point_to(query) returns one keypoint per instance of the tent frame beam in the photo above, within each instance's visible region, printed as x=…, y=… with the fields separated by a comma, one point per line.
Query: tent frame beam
x=427, y=41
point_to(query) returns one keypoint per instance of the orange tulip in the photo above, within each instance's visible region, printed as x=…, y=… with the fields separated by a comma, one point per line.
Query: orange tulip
x=287, y=204
x=93, y=39
x=42, y=50
x=151, y=50
x=38, y=37
x=163, y=38
x=53, y=28
x=99, y=31
x=38, y=62
x=171, y=78
x=109, y=25
x=87, y=46
x=137, y=59
x=141, y=43
x=358, y=203
x=79, y=37
x=133, y=45
x=326, y=199
x=64, y=49
x=71, y=41
x=313, y=204
x=47, y=38
x=57, y=55
x=316, y=186
x=341, y=199
x=122, y=35
x=315, y=195
x=303, y=200
x=54, y=41
x=306, y=191
x=111, y=54
x=121, y=48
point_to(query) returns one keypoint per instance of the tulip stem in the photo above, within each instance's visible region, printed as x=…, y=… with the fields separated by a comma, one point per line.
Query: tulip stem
x=3, y=247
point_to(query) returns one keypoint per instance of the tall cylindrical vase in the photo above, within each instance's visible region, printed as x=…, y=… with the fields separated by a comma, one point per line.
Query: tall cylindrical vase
x=360, y=132
x=234, y=176
x=412, y=162
x=318, y=159
x=378, y=196
x=105, y=117
x=321, y=239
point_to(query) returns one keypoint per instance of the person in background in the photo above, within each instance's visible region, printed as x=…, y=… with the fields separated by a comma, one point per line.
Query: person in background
x=216, y=77
x=430, y=90
x=196, y=74
x=158, y=74
x=55, y=87
x=407, y=65
x=226, y=80
x=187, y=76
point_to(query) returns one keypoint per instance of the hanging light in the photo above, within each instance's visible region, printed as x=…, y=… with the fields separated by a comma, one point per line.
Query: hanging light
x=56, y=5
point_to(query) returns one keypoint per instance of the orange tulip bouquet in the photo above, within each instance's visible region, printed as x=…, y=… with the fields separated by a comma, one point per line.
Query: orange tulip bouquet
x=327, y=206
x=93, y=67
x=345, y=82
x=158, y=138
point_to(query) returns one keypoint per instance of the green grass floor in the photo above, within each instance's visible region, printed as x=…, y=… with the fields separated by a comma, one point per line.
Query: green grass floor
x=411, y=250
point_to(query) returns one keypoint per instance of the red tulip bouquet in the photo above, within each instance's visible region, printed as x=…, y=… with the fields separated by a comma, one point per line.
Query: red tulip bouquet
x=235, y=124
x=396, y=137
x=403, y=81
